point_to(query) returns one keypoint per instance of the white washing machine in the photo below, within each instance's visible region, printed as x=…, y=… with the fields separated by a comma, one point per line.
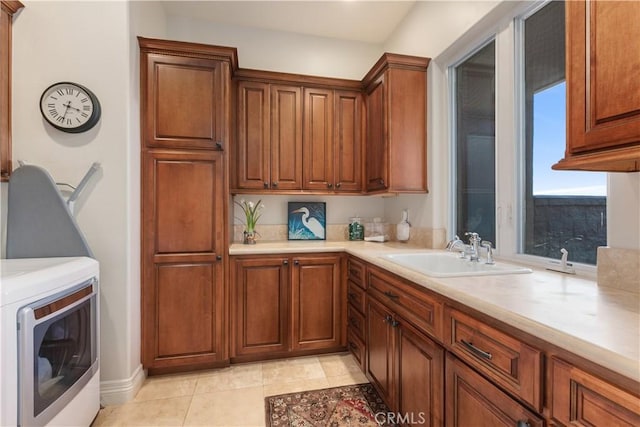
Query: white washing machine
x=49, y=355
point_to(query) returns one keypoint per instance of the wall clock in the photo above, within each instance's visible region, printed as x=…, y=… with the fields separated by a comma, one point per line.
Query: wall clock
x=70, y=107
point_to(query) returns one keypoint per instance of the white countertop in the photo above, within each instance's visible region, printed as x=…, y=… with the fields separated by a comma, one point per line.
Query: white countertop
x=600, y=324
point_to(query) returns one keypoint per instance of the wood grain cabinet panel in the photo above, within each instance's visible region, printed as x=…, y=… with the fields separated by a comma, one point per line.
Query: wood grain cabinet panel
x=509, y=362
x=347, y=141
x=317, y=139
x=317, y=302
x=184, y=103
x=396, y=146
x=253, y=144
x=581, y=399
x=7, y=10
x=260, y=305
x=286, y=138
x=286, y=305
x=405, y=366
x=603, y=91
x=474, y=401
x=183, y=278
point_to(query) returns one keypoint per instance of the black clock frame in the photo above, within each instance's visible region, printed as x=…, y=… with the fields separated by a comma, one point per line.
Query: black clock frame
x=93, y=119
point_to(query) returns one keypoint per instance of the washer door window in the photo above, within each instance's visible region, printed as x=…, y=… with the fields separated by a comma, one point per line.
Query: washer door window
x=59, y=352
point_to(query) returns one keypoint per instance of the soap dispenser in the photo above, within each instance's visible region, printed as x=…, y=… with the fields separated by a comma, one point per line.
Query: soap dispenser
x=403, y=227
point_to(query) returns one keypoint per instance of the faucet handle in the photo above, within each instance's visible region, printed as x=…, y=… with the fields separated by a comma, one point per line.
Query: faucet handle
x=488, y=246
x=473, y=236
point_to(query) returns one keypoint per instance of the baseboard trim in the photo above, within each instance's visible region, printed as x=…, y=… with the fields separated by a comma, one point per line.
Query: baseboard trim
x=118, y=392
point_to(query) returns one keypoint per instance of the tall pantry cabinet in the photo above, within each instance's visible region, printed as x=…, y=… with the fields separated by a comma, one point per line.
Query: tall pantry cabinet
x=185, y=120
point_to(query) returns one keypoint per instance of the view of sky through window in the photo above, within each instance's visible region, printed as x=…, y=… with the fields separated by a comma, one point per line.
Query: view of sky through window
x=548, y=147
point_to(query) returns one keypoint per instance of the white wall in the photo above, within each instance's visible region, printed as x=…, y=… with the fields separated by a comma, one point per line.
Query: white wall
x=90, y=43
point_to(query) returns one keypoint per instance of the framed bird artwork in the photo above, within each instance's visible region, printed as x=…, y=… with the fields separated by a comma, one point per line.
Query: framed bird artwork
x=307, y=221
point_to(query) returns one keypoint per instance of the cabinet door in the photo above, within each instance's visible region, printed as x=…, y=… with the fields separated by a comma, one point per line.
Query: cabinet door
x=184, y=99
x=286, y=138
x=603, y=99
x=317, y=140
x=260, y=305
x=347, y=141
x=183, y=245
x=253, y=147
x=376, y=149
x=317, y=299
x=381, y=349
x=7, y=9
x=581, y=399
x=474, y=401
x=420, y=376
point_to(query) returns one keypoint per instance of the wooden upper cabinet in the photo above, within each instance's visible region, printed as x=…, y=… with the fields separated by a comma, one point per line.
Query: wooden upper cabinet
x=253, y=147
x=7, y=9
x=396, y=144
x=286, y=137
x=318, y=139
x=186, y=88
x=347, y=141
x=603, y=89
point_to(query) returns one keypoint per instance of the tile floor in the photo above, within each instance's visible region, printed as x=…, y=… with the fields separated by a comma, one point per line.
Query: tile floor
x=232, y=396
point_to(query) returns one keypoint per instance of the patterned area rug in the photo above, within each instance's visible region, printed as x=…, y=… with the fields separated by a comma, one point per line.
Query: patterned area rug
x=354, y=405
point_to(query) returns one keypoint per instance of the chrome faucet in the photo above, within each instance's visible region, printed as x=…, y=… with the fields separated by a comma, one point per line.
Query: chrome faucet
x=474, y=243
x=487, y=245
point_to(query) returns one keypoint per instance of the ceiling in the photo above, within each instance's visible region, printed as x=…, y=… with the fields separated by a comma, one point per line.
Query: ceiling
x=356, y=20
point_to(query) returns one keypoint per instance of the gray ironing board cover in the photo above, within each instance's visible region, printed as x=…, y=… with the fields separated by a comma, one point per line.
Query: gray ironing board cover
x=39, y=223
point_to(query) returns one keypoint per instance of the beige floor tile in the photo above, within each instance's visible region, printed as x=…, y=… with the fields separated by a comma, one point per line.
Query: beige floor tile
x=242, y=407
x=103, y=416
x=166, y=387
x=338, y=364
x=231, y=378
x=291, y=370
x=293, y=387
x=161, y=412
x=348, y=379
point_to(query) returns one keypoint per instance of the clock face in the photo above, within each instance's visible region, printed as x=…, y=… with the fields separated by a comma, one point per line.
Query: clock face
x=70, y=107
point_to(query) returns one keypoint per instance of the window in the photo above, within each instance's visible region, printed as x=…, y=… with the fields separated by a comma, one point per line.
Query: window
x=475, y=143
x=504, y=146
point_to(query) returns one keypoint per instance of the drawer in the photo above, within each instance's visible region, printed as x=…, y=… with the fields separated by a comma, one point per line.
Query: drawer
x=356, y=296
x=356, y=347
x=507, y=361
x=355, y=321
x=355, y=272
x=579, y=398
x=416, y=306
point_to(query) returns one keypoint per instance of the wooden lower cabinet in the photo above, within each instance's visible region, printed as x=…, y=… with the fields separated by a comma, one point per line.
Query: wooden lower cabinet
x=183, y=291
x=405, y=366
x=286, y=305
x=474, y=401
x=581, y=399
x=260, y=305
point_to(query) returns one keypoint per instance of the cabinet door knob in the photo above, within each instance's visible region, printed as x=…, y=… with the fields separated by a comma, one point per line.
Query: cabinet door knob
x=338, y=185
x=381, y=182
x=219, y=145
x=266, y=184
x=285, y=262
x=274, y=184
x=329, y=185
x=388, y=319
x=296, y=262
x=523, y=423
x=219, y=258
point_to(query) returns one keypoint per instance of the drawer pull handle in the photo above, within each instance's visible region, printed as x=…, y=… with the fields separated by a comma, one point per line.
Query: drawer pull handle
x=391, y=295
x=522, y=423
x=476, y=350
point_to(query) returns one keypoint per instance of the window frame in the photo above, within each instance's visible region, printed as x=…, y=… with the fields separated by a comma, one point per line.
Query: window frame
x=508, y=33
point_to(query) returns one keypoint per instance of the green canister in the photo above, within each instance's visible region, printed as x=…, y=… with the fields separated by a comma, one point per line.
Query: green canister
x=356, y=229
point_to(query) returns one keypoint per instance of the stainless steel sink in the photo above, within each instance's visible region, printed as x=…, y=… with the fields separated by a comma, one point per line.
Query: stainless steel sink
x=450, y=265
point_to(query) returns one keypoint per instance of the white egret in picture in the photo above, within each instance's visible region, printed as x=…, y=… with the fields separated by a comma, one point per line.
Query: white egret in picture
x=307, y=221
